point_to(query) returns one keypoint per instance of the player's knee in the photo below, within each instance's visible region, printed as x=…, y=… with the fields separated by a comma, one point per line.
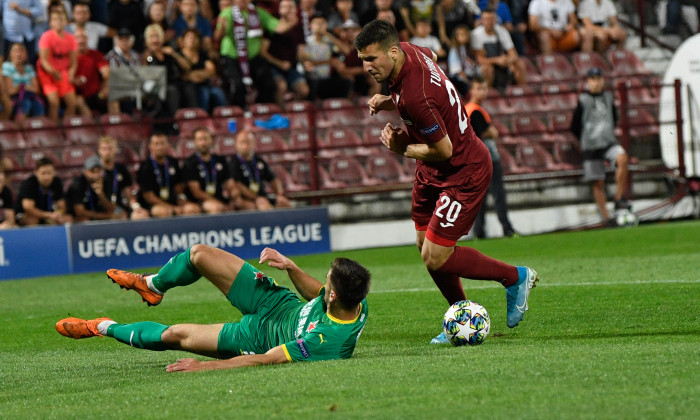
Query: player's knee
x=173, y=336
x=432, y=260
x=197, y=253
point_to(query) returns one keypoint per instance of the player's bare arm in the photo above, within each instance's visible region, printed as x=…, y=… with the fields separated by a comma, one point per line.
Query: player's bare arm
x=306, y=285
x=380, y=102
x=274, y=356
x=436, y=152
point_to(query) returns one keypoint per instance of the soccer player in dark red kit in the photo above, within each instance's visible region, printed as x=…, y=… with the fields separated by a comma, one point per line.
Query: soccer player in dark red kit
x=453, y=168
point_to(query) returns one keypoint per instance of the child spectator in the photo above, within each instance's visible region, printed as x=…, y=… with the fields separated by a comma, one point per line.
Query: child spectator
x=317, y=56
x=191, y=19
x=58, y=61
x=21, y=84
x=423, y=38
x=460, y=66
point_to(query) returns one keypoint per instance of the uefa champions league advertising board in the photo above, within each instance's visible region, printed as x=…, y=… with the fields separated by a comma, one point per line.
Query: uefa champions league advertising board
x=97, y=246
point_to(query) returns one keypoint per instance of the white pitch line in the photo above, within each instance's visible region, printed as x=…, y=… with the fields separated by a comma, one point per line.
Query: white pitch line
x=474, y=284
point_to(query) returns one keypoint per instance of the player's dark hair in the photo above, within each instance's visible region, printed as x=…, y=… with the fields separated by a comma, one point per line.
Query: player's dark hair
x=350, y=281
x=379, y=32
x=156, y=134
x=200, y=128
x=43, y=162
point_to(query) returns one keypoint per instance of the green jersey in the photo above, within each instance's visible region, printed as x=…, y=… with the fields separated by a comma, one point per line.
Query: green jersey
x=254, y=37
x=274, y=315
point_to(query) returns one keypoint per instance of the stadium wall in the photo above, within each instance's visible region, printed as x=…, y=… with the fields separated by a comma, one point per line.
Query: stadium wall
x=88, y=247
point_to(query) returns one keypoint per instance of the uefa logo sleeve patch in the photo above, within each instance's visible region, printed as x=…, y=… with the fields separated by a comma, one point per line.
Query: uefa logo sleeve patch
x=303, y=349
x=430, y=130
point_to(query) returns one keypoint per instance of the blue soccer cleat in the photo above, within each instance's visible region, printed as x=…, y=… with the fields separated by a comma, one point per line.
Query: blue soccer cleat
x=440, y=339
x=516, y=295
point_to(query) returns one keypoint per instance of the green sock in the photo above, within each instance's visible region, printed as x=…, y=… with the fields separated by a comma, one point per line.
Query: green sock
x=144, y=335
x=179, y=271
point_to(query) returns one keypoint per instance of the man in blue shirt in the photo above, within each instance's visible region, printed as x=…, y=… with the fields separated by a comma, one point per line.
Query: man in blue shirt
x=18, y=22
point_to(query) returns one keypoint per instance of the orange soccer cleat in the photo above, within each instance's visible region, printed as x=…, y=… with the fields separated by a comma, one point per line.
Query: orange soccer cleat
x=79, y=328
x=134, y=281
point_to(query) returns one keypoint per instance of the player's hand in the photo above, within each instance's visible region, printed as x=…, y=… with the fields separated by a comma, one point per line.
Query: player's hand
x=395, y=139
x=380, y=102
x=274, y=258
x=185, y=365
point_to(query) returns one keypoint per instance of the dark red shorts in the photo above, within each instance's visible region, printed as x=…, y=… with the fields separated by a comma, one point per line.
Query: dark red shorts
x=447, y=213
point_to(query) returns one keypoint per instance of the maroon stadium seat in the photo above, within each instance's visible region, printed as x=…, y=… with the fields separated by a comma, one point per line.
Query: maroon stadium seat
x=341, y=140
x=226, y=144
x=31, y=156
x=221, y=115
x=350, y=172
x=527, y=124
x=184, y=148
x=265, y=109
x=43, y=132
x=524, y=99
x=190, y=119
x=642, y=123
x=555, y=66
x=559, y=96
x=11, y=137
x=624, y=62
x=79, y=129
x=584, y=61
x=637, y=93
x=271, y=145
x=290, y=185
x=510, y=166
x=385, y=167
x=74, y=156
x=536, y=157
x=124, y=128
x=560, y=121
x=532, y=74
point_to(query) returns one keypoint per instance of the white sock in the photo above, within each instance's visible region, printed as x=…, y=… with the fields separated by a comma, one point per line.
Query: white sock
x=102, y=326
x=149, y=282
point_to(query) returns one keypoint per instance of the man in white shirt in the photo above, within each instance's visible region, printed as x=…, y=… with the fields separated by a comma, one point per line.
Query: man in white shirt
x=93, y=30
x=495, y=52
x=600, y=18
x=554, y=22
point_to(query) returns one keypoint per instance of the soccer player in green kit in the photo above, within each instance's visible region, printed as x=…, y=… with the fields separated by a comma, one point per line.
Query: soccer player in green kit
x=277, y=326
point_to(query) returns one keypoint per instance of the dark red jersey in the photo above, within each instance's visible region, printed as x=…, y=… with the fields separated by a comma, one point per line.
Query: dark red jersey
x=431, y=108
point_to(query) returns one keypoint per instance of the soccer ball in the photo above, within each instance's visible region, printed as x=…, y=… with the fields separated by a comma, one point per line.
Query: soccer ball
x=626, y=218
x=466, y=322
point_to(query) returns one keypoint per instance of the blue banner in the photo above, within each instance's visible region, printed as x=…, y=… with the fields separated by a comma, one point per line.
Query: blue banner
x=33, y=252
x=151, y=243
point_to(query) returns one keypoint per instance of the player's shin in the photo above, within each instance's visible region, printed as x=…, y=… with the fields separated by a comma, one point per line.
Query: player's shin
x=450, y=286
x=143, y=335
x=179, y=271
x=469, y=263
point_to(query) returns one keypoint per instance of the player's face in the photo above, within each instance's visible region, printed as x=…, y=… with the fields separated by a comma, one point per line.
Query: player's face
x=45, y=175
x=595, y=84
x=158, y=147
x=203, y=142
x=379, y=64
x=93, y=175
x=327, y=292
x=107, y=151
x=245, y=145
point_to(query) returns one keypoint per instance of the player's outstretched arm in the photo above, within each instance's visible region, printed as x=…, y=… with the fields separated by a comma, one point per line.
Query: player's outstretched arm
x=306, y=285
x=435, y=152
x=273, y=357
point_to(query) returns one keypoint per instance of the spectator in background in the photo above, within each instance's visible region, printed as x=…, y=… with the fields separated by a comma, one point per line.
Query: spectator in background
x=318, y=56
x=600, y=18
x=484, y=129
x=244, y=69
x=505, y=19
x=413, y=11
x=85, y=197
x=58, y=61
x=555, y=24
x=155, y=14
x=495, y=53
x=342, y=13
x=6, y=105
x=21, y=84
x=461, y=67
x=674, y=16
x=7, y=212
x=93, y=30
x=594, y=123
x=127, y=14
x=157, y=54
x=518, y=10
x=216, y=42
x=307, y=10
x=18, y=23
x=117, y=183
x=91, y=78
x=40, y=199
x=350, y=67
x=385, y=9
x=449, y=14
x=191, y=19
x=207, y=176
x=161, y=186
x=281, y=51
x=423, y=38
x=201, y=71
x=122, y=56
x=251, y=174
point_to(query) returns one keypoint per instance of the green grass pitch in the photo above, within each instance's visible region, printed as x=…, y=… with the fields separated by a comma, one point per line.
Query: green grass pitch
x=613, y=331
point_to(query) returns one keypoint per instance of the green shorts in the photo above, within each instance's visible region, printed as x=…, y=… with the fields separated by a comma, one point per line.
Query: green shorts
x=259, y=298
